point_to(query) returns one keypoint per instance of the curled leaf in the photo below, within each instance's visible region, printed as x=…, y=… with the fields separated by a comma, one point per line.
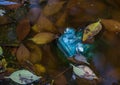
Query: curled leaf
x=53, y=8
x=111, y=25
x=43, y=38
x=23, y=77
x=84, y=72
x=92, y=30
x=22, y=54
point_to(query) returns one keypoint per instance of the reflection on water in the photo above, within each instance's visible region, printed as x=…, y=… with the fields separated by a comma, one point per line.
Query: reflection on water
x=104, y=70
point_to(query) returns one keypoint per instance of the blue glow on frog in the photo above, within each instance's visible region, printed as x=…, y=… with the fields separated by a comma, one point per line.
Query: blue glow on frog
x=70, y=43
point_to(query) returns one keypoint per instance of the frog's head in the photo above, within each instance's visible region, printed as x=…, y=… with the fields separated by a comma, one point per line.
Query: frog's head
x=91, y=30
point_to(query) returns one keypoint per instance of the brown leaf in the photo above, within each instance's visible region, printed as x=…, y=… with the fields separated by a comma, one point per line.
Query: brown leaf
x=53, y=8
x=49, y=57
x=14, y=6
x=5, y=20
x=43, y=38
x=59, y=80
x=111, y=25
x=22, y=54
x=23, y=29
x=44, y=24
x=61, y=21
x=10, y=70
x=35, y=53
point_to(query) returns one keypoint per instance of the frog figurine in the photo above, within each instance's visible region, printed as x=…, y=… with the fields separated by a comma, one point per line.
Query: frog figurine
x=71, y=41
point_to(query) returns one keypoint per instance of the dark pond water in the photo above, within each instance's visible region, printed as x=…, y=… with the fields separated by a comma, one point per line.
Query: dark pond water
x=106, y=59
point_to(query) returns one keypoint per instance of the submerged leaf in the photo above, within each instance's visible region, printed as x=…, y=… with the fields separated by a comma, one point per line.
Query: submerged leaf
x=53, y=8
x=35, y=53
x=61, y=21
x=111, y=25
x=43, y=38
x=39, y=69
x=81, y=58
x=22, y=54
x=14, y=6
x=5, y=20
x=23, y=77
x=84, y=72
x=1, y=50
x=23, y=29
x=92, y=30
x=44, y=24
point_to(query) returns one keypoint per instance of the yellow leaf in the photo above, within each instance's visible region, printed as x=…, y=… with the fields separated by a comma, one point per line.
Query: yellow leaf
x=91, y=30
x=43, y=38
x=111, y=25
x=53, y=8
x=44, y=24
x=39, y=69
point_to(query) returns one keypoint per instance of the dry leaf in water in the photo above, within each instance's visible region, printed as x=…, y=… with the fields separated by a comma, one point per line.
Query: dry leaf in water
x=59, y=80
x=23, y=29
x=22, y=54
x=44, y=24
x=34, y=14
x=5, y=20
x=53, y=8
x=111, y=25
x=35, y=53
x=10, y=70
x=61, y=21
x=38, y=68
x=14, y=6
x=43, y=38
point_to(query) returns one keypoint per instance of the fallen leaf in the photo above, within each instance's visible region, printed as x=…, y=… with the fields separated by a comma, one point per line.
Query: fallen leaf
x=60, y=80
x=84, y=72
x=43, y=38
x=49, y=57
x=23, y=29
x=34, y=14
x=62, y=20
x=44, y=24
x=51, y=9
x=5, y=20
x=38, y=68
x=22, y=54
x=23, y=77
x=10, y=70
x=14, y=6
x=91, y=30
x=35, y=53
x=1, y=50
x=111, y=25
